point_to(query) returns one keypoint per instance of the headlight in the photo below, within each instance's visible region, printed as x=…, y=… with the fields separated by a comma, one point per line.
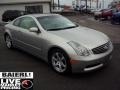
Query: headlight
x=79, y=49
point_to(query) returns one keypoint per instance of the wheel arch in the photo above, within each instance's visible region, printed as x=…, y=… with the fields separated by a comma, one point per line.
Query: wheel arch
x=53, y=48
x=7, y=32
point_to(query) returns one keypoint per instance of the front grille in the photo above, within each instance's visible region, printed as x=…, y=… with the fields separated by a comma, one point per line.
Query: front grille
x=101, y=49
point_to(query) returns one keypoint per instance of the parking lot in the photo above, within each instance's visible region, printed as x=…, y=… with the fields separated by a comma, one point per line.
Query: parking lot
x=46, y=79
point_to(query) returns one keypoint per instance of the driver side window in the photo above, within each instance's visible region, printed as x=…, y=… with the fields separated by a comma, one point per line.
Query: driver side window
x=27, y=23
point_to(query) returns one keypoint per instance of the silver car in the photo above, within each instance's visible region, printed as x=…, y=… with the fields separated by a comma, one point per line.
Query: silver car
x=67, y=47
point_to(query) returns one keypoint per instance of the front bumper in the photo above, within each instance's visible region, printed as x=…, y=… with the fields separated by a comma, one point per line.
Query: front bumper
x=86, y=66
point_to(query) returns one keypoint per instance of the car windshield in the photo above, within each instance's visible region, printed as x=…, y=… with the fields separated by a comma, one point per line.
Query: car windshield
x=55, y=22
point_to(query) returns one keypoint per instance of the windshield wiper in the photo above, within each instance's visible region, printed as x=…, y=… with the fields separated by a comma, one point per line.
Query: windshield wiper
x=70, y=27
x=54, y=29
x=62, y=28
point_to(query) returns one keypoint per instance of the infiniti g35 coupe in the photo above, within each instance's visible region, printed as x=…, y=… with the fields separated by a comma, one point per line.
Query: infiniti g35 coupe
x=67, y=47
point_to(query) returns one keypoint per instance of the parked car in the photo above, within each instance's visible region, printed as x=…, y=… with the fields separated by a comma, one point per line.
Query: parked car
x=67, y=47
x=10, y=15
x=77, y=8
x=104, y=13
x=86, y=10
x=97, y=14
x=116, y=18
x=107, y=13
x=93, y=10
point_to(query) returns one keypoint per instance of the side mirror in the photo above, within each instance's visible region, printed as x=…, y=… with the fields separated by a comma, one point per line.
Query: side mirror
x=34, y=29
x=76, y=23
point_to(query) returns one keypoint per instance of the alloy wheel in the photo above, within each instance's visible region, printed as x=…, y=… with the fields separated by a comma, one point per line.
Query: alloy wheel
x=59, y=62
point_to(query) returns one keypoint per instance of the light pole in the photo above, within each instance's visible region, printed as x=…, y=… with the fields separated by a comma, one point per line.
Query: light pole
x=58, y=4
x=90, y=3
x=97, y=2
x=103, y=4
x=86, y=6
x=53, y=4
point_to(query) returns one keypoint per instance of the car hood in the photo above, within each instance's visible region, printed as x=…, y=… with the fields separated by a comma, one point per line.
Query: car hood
x=85, y=36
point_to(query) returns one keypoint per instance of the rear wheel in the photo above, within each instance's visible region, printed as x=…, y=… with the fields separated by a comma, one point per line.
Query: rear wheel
x=60, y=61
x=8, y=41
x=113, y=20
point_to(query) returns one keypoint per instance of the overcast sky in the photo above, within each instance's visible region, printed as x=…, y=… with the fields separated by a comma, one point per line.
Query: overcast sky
x=68, y=2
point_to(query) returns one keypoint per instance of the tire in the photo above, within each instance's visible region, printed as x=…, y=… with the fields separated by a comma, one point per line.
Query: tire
x=8, y=41
x=106, y=18
x=60, y=61
x=113, y=22
x=95, y=17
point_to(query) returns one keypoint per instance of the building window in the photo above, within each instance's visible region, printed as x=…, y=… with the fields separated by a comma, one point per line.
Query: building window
x=34, y=9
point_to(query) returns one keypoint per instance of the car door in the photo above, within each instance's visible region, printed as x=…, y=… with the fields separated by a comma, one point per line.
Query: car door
x=29, y=41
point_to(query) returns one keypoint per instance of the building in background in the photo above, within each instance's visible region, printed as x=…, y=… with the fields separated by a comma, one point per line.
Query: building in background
x=31, y=6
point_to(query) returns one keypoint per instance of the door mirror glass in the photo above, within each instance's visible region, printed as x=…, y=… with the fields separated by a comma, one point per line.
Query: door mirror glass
x=76, y=23
x=34, y=29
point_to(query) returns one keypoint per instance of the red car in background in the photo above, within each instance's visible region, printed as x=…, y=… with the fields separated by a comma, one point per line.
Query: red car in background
x=103, y=14
x=107, y=13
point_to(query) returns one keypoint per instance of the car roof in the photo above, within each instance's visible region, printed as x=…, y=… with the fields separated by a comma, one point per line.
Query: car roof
x=41, y=15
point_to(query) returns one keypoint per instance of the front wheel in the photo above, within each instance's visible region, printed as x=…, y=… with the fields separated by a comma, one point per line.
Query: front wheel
x=60, y=61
